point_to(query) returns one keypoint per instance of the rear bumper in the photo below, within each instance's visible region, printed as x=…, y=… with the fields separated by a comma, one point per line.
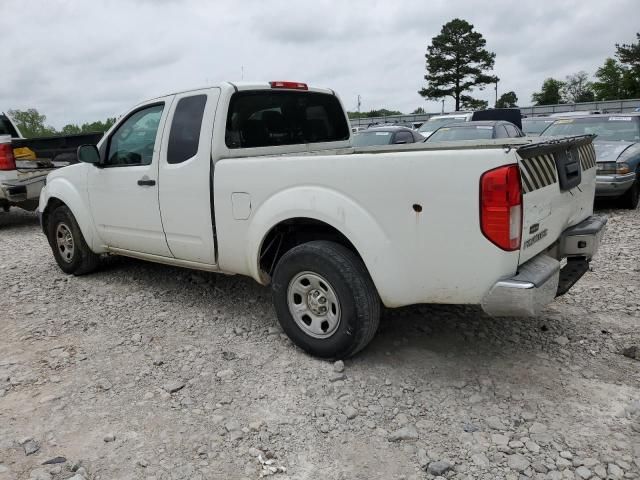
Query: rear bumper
x=613, y=185
x=21, y=192
x=541, y=279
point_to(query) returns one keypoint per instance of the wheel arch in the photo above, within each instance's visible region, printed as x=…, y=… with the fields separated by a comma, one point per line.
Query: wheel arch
x=313, y=213
x=60, y=192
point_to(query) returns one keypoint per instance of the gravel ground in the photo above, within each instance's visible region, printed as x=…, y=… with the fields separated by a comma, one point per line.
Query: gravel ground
x=143, y=371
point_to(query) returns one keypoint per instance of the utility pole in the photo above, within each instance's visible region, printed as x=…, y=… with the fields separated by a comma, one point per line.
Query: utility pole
x=359, y=102
x=443, y=105
x=496, y=104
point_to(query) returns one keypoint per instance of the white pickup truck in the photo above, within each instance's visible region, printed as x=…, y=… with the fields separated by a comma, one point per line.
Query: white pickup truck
x=21, y=180
x=261, y=180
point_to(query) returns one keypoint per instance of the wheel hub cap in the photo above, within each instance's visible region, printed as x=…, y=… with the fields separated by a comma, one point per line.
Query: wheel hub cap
x=317, y=302
x=314, y=305
x=64, y=242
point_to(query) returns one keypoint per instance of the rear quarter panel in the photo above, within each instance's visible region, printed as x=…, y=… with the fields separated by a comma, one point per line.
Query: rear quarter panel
x=438, y=255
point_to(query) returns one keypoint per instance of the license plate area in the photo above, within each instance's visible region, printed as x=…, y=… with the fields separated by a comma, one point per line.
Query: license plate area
x=568, y=166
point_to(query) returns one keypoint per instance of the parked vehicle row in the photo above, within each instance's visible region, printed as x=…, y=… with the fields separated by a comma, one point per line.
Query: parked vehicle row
x=391, y=135
x=437, y=121
x=274, y=190
x=617, y=149
x=475, y=130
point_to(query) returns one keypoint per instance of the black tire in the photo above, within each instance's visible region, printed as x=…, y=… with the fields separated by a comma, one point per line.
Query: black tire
x=631, y=198
x=77, y=260
x=359, y=304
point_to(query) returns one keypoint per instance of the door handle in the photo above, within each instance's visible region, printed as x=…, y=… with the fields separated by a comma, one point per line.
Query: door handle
x=146, y=182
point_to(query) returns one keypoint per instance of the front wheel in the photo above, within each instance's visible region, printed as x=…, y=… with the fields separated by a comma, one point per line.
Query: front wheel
x=631, y=198
x=69, y=247
x=325, y=299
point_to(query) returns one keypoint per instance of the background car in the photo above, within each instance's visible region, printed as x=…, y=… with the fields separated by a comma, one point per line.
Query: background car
x=575, y=113
x=391, y=124
x=617, y=148
x=534, y=126
x=386, y=136
x=476, y=130
x=434, y=123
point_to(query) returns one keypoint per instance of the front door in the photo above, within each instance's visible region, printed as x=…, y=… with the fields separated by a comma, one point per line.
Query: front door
x=124, y=192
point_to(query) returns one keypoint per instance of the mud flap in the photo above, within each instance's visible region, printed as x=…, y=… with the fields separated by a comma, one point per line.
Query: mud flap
x=571, y=273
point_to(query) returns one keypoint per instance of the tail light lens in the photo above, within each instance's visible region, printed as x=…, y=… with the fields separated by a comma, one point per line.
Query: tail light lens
x=7, y=160
x=501, y=207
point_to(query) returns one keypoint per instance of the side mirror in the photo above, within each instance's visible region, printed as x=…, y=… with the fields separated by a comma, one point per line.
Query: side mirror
x=89, y=154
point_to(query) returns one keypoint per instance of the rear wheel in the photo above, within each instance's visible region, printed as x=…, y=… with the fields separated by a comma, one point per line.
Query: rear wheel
x=325, y=299
x=67, y=243
x=631, y=198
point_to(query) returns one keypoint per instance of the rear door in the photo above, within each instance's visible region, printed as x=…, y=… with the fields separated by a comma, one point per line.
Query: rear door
x=558, y=184
x=186, y=176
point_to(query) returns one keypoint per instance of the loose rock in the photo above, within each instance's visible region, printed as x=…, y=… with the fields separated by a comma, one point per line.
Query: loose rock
x=174, y=386
x=518, y=462
x=438, y=468
x=30, y=447
x=408, y=432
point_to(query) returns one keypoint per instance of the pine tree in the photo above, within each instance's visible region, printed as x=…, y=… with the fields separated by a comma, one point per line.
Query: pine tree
x=456, y=63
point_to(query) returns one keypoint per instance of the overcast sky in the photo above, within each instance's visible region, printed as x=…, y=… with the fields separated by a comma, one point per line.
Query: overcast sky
x=85, y=60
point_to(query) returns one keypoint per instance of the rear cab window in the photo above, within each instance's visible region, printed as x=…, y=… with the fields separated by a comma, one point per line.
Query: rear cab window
x=273, y=118
x=6, y=128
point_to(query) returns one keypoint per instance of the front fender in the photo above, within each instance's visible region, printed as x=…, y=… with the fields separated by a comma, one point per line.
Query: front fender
x=334, y=208
x=62, y=189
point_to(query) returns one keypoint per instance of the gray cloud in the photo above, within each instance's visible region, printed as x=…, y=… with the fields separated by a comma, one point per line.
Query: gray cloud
x=83, y=61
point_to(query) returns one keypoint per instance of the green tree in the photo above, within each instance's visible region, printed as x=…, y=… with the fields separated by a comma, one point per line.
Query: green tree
x=629, y=57
x=70, y=129
x=383, y=112
x=550, y=94
x=31, y=123
x=98, y=126
x=609, y=81
x=577, y=88
x=469, y=103
x=629, y=54
x=92, y=127
x=456, y=63
x=418, y=111
x=507, y=100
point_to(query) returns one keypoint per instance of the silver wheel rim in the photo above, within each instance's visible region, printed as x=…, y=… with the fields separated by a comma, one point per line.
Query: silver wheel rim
x=314, y=305
x=64, y=241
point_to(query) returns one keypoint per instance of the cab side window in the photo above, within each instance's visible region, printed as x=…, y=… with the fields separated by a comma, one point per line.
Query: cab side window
x=403, y=137
x=133, y=142
x=513, y=131
x=500, y=132
x=185, y=129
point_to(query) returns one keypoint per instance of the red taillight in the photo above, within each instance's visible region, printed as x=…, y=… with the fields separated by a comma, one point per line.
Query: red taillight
x=289, y=85
x=501, y=207
x=7, y=160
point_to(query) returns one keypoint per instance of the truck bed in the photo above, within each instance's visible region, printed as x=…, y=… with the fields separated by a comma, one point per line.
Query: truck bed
x=21, y=187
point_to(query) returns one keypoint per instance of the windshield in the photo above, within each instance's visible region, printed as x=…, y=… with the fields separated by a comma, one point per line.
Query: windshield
x=610, y=128
x=535, y=126
x=448, y=134
x=366, y=139
x=431, y=125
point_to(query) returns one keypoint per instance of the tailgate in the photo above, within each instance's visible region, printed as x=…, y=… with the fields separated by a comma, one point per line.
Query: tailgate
x=558, y=184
